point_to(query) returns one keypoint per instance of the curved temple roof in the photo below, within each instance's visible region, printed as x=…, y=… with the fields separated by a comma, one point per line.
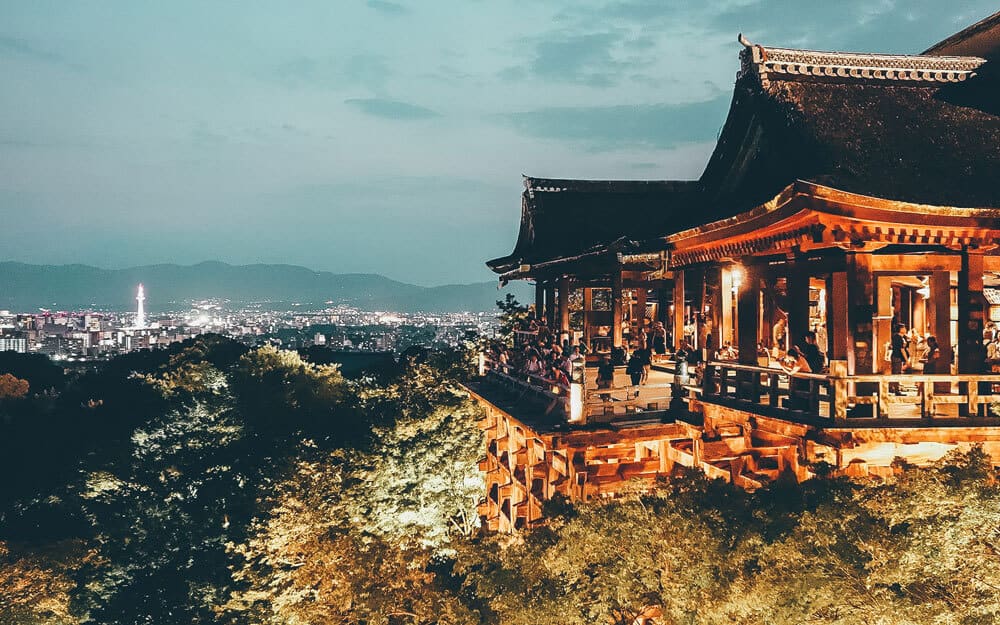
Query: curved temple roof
x=922, y=129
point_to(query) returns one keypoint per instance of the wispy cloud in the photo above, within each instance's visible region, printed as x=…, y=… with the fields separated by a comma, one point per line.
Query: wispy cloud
x=661, y=126
x=384, y=6
x=596, y=59
x=15, y=46
x=391, y=109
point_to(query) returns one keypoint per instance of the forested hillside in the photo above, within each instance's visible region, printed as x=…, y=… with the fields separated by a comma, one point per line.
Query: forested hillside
x=212, y=484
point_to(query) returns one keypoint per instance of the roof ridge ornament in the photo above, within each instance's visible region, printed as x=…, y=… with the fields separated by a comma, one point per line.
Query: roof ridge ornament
x=794, y=64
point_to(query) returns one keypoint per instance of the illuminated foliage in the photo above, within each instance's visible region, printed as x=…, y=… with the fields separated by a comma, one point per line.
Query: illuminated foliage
x=11, y=387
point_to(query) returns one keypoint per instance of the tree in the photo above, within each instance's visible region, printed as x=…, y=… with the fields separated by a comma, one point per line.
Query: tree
x=512, y=316
x=12, y=388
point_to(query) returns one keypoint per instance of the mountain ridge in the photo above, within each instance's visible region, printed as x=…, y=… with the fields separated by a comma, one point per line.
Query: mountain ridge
x=170, y=286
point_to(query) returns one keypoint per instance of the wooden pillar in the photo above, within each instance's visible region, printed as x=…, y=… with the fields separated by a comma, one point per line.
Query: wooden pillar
x=663, y=308
x=678, y=315
x=883, y=322
x=939, y=311
x=563, y=305
x=698, y=302
x=639, y=312
x=836, y=315
x=616, y=308
x=588, y=304
x=550, y=305
x=539, y=300
x=768, y=314
x=748, y=314
x=798, y=302
x=971, y=313
x=860, y=313
x=725, y=331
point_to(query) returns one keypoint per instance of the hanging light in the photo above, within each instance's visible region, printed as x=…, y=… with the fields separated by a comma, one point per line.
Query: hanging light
x=925, y=289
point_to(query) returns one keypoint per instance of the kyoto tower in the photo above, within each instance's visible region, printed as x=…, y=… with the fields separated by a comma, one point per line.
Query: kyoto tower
x=140, y=314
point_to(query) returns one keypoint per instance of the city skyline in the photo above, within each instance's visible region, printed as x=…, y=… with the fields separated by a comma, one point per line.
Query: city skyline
x=374, y=137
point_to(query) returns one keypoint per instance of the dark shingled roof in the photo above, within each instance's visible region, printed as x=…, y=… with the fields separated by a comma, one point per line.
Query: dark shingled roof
x=921, y=129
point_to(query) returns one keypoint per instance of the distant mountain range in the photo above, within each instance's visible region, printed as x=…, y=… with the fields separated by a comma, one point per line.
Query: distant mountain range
x=25, y=287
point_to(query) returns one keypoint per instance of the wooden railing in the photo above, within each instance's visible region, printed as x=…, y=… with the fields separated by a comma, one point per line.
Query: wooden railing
x=525, y=337
x=839, y=397
x=547, y=391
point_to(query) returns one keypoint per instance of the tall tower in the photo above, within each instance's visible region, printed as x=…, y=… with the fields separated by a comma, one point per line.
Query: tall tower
x=140, y=314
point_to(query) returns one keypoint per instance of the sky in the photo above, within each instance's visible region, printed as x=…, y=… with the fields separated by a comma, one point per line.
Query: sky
x=381, y=136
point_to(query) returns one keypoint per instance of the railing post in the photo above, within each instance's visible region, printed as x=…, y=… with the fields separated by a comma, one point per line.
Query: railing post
x=974, y=399
x=838, y=397
x=772, y=391
x=883, y=399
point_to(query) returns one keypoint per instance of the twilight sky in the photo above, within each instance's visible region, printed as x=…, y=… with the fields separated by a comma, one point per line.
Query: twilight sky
x=382, y=136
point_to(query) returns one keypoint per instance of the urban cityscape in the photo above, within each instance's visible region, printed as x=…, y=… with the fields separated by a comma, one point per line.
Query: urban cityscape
x=89, y=336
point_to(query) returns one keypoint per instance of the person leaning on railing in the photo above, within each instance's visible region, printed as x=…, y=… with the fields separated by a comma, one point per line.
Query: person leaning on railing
x=794, y=363
x=900, y=356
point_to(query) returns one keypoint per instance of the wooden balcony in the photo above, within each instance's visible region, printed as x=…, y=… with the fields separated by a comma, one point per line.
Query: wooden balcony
x=838, y=399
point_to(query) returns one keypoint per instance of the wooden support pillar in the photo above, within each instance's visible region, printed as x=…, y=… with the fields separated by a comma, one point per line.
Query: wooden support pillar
x=939, y=312
x=725, y=315
x=639, y=312
x=663, y=307
x=971, y=313
x=539, y=300
x=860, y=313
x=550, y=305
x=698, y=302
x=883, y=322
x=748, y=314
x=677, y=318
x=836, y=315
x=616, y=308
x=716, y=302
x=563, y=306
x=588, y=305
x=798, y=302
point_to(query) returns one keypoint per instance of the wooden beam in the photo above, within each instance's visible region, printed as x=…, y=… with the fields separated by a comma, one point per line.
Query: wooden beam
x=915, y=263
x=748, y=314
x=588, y=304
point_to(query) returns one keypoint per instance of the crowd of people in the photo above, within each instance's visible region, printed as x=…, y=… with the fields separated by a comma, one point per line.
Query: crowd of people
x=538, y=356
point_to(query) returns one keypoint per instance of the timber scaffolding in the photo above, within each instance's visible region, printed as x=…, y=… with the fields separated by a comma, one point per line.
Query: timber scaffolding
x=847, y=193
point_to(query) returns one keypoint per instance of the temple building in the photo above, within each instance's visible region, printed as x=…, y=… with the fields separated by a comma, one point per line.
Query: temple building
x=854, y=196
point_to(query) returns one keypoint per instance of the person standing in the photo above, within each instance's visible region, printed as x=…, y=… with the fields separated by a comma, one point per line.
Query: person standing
x=811, y=352
x=900, y=356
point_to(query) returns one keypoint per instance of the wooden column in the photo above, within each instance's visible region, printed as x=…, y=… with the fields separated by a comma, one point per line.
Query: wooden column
x=663, y=308
x=883, y=322
x=860, y=313
x=798, y=302
x=748, y=314
x=678, y=316
x=563, y=305
x=550, y=305
x=727, y=297
x=698, y=302
x=588, y=304
x=971, y=313
x=836, y=315
x=539, y=300
x=616, y=308
x=639, y=311
x=939, y=311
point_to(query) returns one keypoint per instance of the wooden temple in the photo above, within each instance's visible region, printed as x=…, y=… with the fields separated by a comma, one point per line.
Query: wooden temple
x=848, y=194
